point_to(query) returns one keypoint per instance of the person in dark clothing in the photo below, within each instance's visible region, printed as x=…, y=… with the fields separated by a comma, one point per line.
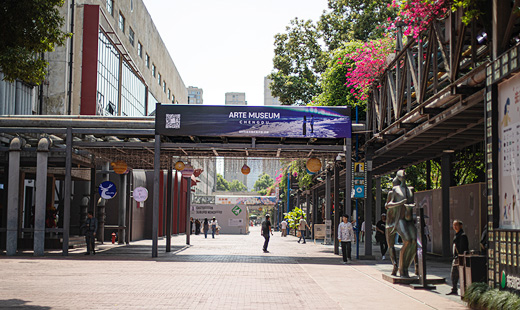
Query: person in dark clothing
x=197, y=226
x=205, y=227
x=266, y=230
x=90, y=228
x=460, y=245
x=191, y=225
x=380, y=235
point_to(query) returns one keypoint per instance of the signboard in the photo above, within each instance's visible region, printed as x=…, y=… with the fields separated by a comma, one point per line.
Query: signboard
x=509, y=153
x=140, y=194
x=236, y=222
x=246, y=200
x=236, y=210
x=358, y=177
x=319, y=231
x=328, y=231
x=253, y=121
x=107, y=190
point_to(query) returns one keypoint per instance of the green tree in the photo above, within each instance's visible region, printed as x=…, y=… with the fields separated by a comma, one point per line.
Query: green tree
x=348, y=20
x=222, y=184
x=27, y=29
x=298, y=62
x=263, y=183
x=335, y=92
x=237, y=186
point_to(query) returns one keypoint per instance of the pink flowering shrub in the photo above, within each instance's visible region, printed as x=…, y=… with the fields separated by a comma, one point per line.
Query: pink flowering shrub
x=416, y=15
x=367, y=64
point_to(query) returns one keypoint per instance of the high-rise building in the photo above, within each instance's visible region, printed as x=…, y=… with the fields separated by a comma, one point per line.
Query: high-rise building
x=115, y=64
x=236, y=99
x=268, y=97
x=195, y=95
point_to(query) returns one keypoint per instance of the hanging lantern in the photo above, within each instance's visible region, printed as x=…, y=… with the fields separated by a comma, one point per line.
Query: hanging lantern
x=187, y=171
x=179, y=166
x=245, y=169
x=197, y=172
x=313, y=165
x=119, y=166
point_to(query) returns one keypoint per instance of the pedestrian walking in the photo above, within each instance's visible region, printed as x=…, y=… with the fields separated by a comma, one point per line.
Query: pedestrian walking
x=380, y=235
x=197, y=227
x=460, y=245
x=266, y=232
x=346, y=236
x=302, y=226
x=205, y=227
x=90, y=227
x=214, y=226
x=191, y=225
x=363, y=232
x=283, y=225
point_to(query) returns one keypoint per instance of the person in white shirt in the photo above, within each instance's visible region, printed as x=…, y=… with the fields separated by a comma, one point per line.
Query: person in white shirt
x=363, y=232
x=213, y=226
x=301, y=227
x=283, y=225
x=346, y=236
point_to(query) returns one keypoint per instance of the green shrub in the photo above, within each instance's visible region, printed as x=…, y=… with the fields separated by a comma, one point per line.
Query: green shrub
x=473, y=294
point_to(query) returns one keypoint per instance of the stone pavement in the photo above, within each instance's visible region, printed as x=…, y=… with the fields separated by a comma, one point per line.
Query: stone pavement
x=228, y=272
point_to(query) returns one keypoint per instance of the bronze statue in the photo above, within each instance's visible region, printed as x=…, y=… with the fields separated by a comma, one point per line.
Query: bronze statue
x=399, y=219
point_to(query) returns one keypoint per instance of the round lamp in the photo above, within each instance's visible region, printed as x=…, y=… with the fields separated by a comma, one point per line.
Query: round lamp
x=313, y=165
x=179, y=166
x=245, y=169
x=120, y=167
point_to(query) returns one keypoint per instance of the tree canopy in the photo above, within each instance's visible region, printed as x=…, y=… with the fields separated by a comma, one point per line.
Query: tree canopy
x=263, y=183
x=27, y=29
x=226, y=186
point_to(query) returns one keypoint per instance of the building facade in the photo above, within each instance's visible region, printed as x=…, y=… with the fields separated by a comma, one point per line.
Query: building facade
x=195, y=95
x=268, y=96
x=234, y=98
x=115, y=64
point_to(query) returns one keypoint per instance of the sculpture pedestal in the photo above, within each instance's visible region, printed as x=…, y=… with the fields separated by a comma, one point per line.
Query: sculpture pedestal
x=413, y=280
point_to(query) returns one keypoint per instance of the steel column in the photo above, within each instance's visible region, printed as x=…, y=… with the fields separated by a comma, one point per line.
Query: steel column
x=122, y=209
x=156, y=184
x=188, y=203
x=68, y=192
x=378, y=198
x=348, y=176
x=169, y=184
x=336, y=207
x=445, y=208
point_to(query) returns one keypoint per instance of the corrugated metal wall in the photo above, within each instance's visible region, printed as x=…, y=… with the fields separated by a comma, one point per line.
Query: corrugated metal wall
x=16, y=98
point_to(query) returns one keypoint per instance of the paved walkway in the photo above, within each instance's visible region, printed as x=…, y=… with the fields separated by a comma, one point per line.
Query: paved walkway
x=228, y=272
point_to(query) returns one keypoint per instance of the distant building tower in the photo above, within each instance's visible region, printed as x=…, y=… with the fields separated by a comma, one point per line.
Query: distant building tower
x=195, y=95
x=268, y=97
x=236, y=99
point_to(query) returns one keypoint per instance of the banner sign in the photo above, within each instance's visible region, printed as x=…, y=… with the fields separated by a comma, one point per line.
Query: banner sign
x=508, y=153
x=253, y=121
x=246, y=200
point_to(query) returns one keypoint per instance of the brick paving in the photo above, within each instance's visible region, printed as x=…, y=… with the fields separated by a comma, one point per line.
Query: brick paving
x=228, y=272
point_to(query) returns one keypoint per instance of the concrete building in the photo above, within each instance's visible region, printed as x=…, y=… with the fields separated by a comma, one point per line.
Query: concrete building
x=114, y=64
x=195, y=95
x=207, y=178
x=268, y=97
x=236, y=98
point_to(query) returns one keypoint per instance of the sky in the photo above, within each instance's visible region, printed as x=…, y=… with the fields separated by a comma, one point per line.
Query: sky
x=226, y=45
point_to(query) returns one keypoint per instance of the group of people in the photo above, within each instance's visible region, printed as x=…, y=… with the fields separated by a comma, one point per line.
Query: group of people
x=206, y=227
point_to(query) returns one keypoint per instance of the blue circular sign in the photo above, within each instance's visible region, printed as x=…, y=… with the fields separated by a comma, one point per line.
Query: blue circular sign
x=107, y=190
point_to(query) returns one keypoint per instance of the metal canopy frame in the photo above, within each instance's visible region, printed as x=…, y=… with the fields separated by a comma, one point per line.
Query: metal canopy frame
x=84, y=141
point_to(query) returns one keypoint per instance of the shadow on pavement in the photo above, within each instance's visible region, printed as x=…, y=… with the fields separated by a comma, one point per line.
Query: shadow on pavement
x=19, y=304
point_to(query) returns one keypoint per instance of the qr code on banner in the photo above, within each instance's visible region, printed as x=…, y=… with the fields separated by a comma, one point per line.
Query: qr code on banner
x=173, y=121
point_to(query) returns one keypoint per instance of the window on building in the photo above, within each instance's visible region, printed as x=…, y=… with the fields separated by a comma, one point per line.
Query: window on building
x=159, y=78
x=121, y=22
x=147, y=61
x=139, y=49
x=164, y=87
x=131, y=35
x=169, y=94
x=153, y=70
x=110, y=7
